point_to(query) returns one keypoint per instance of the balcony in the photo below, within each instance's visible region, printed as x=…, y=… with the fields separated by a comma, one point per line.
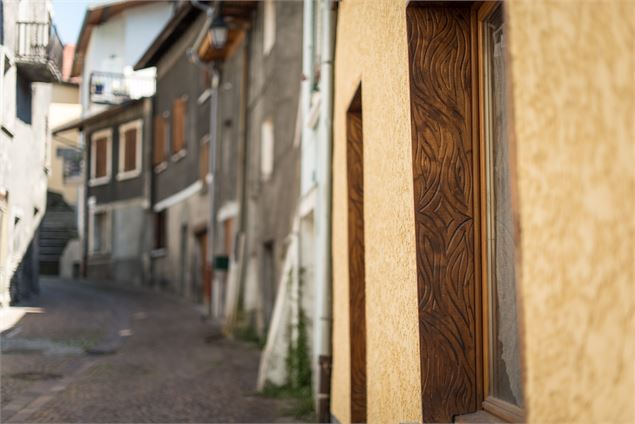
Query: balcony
x=112, y=89
x=39, y=51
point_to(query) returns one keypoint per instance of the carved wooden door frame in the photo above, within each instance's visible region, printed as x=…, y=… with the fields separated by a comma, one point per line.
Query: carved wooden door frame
x=442, y=46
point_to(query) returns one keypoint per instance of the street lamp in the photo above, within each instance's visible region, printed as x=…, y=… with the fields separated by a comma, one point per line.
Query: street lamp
x=218, y=31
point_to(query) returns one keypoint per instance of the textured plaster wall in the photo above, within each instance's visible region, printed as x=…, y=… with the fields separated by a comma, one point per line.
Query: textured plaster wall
x=573, y=86
x=371, y=47
x=573, y=70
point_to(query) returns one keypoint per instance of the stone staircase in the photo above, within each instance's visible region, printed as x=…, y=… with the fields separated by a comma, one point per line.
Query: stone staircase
x=57, y=228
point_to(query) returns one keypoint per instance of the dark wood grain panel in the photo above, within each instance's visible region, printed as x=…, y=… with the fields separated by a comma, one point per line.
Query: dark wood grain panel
x=356, y=264
x=441, y=85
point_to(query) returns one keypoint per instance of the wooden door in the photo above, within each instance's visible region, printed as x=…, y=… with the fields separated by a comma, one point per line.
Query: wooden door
x=445, y=154
x=206, y=270
x=356, y=261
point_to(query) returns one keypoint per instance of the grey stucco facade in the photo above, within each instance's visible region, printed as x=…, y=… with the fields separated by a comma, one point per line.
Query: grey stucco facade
x=274, y=95
x=118, y=210
x=253, y=213
x=180, y=191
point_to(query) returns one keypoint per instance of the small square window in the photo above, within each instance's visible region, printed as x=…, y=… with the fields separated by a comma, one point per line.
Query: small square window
x=269, y=36
x=267, y=149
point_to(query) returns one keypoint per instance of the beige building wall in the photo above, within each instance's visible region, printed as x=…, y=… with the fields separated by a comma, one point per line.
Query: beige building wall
x=573, y=77
x=64, y=108
x=371, y=47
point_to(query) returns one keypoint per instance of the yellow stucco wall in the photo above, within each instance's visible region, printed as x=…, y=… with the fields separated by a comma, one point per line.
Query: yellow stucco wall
x=573, y=76
x=573, y=73
x=372, y=47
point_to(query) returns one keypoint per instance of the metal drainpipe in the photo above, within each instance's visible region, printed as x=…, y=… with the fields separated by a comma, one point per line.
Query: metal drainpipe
x=213, y=142
x=211, y=190
x=324, y=171
x=213, y=137
x=308, y=136
x=244, y=161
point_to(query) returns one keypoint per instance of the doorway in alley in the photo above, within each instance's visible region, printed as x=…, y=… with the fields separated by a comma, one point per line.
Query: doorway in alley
x=268, y=280
x=205, y=270
x=356, y=260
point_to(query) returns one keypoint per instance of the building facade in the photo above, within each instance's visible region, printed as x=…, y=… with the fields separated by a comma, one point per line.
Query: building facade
x=115, y=233
x=226, y=197
x=59, y=242
x=473, y=212
x=31, y=54
x=272, y=174
x=180, y=201
x=111, y=40
x=117, y=183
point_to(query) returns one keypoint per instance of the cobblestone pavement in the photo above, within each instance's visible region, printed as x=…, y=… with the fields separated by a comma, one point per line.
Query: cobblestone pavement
x=92, y=354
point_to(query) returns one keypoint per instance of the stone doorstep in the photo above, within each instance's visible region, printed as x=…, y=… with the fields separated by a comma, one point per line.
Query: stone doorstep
x=19, y=409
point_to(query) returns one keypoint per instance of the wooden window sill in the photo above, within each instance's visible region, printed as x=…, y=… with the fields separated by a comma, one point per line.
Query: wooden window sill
x=128, y=175
x=494, y=411
x=478, y=418
x=177, y=156
x=161, y=167
x=98, y=181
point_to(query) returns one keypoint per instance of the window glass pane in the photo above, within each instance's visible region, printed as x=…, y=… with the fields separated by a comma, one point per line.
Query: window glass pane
x=506, y=376
x=266, y=149
x=269, y=36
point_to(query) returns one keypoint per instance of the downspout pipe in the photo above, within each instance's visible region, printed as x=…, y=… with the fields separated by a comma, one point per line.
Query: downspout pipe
x=309, y=160
x=213, y=140
x=324, y=306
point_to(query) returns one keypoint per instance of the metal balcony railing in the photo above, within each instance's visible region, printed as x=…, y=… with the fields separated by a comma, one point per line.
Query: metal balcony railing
x=111, y=88
x=39, y=51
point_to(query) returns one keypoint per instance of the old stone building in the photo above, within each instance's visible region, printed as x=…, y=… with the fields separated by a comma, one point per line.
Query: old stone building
x=31, y=58
x=247, y=92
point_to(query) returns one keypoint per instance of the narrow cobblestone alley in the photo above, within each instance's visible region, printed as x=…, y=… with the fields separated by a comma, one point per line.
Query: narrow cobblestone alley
x=85, y=353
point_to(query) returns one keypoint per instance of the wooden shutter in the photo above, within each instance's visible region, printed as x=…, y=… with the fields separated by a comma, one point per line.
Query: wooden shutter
x=203, y=165
x=101, y=157
x=159, y=141
x=130, y=152
x=179, y=111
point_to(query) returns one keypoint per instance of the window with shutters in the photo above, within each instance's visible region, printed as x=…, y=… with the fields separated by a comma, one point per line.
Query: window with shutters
x=179, y=115
x=463, y=174
x=130, y=155
x=100, y=157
